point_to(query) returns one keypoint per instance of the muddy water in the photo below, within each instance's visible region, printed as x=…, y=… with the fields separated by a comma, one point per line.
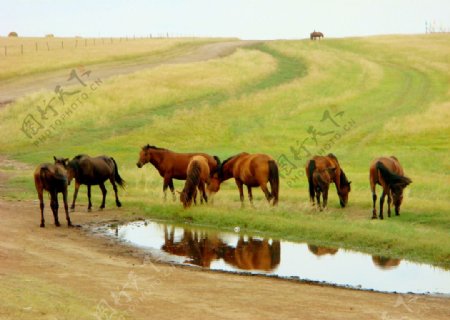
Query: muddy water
x=235, y=252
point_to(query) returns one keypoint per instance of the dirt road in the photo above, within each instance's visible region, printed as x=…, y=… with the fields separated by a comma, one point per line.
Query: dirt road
x=62, y=273
x=13, y=89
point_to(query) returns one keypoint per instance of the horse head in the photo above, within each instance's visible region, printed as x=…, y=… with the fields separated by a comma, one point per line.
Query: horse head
x=344, y=190
x=145, y=156
x=61, y=161
x=397, y=193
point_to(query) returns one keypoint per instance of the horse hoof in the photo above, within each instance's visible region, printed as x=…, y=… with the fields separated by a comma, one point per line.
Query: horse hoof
x=102, y=207
x=374, y=217
x=89, y=209
x=70, y=225
x=58, y=224
x=42, y=225
x=118, y=204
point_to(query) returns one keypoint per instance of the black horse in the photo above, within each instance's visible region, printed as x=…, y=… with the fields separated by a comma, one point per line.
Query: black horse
x=94, y=171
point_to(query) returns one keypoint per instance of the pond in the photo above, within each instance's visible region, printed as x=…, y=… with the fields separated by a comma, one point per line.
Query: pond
x=234, y=252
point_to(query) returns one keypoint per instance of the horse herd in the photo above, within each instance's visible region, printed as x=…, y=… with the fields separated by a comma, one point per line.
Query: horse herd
x=204, y=174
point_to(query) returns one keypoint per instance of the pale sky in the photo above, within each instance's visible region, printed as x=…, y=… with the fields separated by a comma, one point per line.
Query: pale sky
x=246, y=19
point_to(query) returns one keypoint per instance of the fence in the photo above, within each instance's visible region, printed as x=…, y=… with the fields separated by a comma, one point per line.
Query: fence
x=22, y=46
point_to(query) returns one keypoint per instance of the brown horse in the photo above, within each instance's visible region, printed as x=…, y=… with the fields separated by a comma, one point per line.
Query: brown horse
x=53, y=179
x=316, y=35
x=94, y=171
x=196, y=177
x=388, y=173
x=321, y=171
x=171, y=165
x=253, y=170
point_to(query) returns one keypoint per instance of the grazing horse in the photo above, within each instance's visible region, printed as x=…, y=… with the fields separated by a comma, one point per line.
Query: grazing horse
x=171, y=165
x=253, y=170
x=323, y=170
x=388, y=173
x=196, y=177
x=316, y=35
x=53, y=179
x=94, y=171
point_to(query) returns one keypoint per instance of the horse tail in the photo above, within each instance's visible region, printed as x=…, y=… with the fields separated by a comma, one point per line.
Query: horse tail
x=311, y=168
x=274, y=180
x=117, y=177
x=217, y=160
x=390, y=177
x=192, y=180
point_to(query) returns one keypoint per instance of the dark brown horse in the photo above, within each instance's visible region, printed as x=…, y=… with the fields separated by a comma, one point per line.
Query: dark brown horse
x=321, y=171
x=253, y=170
x=94, y=171
x=388, y=173
x=53, y=179
x=196, y=177
x=171, y=165
x=316, y=35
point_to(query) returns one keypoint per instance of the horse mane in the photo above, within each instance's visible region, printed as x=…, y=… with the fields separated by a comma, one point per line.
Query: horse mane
x=148, y=146
x=220, y=165
x=390, y=177
x=343, y=179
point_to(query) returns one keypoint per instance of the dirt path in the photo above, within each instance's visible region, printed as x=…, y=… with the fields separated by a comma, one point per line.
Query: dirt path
x=13, y=89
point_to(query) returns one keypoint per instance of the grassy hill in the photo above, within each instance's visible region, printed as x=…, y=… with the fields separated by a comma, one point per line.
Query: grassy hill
x=359, y=98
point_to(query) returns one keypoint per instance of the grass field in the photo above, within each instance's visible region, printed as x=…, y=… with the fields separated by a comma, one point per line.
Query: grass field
x=376, y=96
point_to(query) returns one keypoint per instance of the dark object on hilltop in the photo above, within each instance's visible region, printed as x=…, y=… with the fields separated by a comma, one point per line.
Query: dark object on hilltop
x=13, y=34
x=316, y=35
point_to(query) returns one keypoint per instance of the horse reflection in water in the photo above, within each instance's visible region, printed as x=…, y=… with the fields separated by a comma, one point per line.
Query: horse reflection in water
x=199, y=247
x=321, y=251
x=202, y=248
x=385, y=263
x=253, y=254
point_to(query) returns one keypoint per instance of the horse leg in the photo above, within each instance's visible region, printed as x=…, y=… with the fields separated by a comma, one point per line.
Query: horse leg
x=66, y=208
x=250, y=195
x=325, y=197
x=54, y=205
x=75, y=194
x=203, y=192
x=113, y=182
x=241, y=191
x=165, y=185
x=383, y=195
x=318, y=199
x=104, y=191
x=266, y=192
x=374, y=211
x=172, y=189
x=41, y=205
x=89, y=197
x=389, y=200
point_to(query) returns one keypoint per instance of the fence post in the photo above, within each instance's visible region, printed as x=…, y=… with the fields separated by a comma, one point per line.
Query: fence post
x=62, y=44
x=48, y=48
x=21, y=49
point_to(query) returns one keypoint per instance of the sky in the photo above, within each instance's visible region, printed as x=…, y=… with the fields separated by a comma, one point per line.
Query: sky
x=245, y=19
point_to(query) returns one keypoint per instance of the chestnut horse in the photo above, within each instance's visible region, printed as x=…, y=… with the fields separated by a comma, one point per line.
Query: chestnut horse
x=171, y=165
x=253, y=170
x=196, y=176
x=94, y=171
x=323, y=170
x=388, y=173
x=53, y=179
x=316, y=35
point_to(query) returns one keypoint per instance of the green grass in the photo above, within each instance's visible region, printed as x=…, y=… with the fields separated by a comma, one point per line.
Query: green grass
x=392, y=90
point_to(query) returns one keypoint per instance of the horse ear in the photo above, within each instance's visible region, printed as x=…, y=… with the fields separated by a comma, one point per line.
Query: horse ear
x=349, y=182
x=54, y=158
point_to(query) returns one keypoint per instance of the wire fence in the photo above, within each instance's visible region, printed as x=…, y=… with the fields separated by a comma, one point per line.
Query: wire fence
x=15, y=46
